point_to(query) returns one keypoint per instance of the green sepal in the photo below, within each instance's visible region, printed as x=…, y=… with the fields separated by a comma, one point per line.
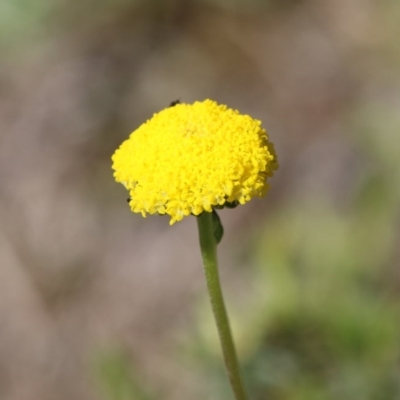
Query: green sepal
x=233, y=204
x=227, y=204
x=218, y=229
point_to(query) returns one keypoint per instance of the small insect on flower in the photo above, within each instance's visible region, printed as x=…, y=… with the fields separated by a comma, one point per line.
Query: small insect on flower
x=174, y=103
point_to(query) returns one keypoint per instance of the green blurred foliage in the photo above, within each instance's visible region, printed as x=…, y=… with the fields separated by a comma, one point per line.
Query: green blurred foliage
x=116, y=378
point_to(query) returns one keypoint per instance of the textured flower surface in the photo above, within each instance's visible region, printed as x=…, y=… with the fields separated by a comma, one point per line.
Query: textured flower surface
x=191, y=158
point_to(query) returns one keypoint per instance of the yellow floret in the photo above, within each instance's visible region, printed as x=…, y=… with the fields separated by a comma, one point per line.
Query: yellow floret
x=190, y=158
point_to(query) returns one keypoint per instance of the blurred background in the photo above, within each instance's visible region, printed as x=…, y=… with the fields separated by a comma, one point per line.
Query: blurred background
x=97, y=303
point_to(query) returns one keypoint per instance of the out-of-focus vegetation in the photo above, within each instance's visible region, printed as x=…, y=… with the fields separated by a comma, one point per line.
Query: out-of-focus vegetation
x=116, y=377
x=311, y=272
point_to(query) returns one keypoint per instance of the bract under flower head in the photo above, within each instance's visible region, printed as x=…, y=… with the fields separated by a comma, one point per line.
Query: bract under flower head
x=190, y=158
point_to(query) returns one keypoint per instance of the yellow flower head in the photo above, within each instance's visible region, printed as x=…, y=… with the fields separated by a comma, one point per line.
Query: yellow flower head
x=192, y=158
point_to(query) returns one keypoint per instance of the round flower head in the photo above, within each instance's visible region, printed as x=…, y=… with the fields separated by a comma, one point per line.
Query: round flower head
x=191, y=158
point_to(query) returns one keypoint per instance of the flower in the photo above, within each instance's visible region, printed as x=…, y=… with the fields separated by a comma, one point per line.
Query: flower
x=192, y=158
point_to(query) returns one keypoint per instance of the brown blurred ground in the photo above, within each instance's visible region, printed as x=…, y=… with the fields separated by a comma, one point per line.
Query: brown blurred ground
x=78, y=271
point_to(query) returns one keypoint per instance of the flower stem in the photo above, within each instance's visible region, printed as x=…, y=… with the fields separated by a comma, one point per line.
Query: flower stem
x=209, y=254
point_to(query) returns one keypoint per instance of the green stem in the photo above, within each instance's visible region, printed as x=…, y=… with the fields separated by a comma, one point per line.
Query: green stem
x=209, y=254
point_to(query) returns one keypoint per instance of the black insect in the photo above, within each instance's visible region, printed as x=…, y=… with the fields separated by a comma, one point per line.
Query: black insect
x=174, y=103
x=129, y=199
